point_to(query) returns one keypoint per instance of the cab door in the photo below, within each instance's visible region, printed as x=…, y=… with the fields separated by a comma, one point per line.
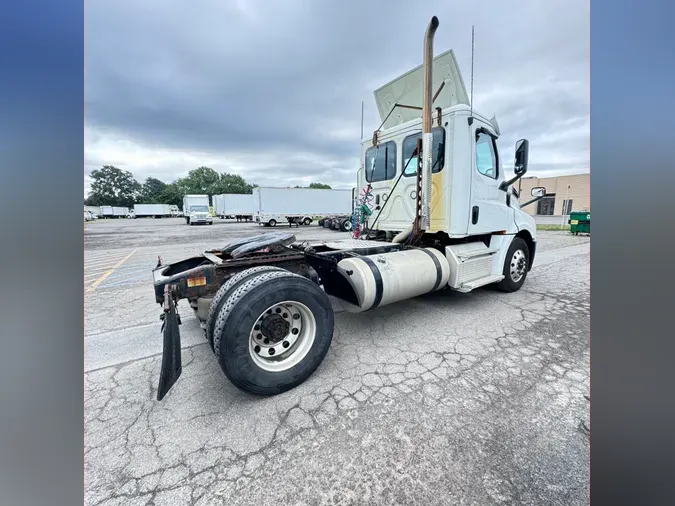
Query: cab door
x=488, y=210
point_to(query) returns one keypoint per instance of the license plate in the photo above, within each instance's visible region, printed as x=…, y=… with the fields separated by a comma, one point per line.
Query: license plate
x=201, y=281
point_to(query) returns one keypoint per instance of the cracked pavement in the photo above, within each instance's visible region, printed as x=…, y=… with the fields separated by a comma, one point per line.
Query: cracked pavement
x=448, y=398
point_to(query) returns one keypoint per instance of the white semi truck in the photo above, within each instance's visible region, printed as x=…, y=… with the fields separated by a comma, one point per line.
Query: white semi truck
x=150, y=211
x=196, y=209
x=234, y=205
x=298, y=205
x=452, y=221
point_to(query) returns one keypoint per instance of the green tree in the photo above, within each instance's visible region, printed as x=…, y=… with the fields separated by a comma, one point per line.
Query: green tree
x=203, y=180
x=172, y=195
x=320, y=186
x=232, y=183
x=152, y=190
x=113, y=187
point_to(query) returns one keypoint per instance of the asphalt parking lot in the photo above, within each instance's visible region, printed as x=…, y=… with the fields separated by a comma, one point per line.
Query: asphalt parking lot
x=448, y=398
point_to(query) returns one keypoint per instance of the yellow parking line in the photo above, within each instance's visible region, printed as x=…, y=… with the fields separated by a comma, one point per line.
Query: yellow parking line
x=109, y=272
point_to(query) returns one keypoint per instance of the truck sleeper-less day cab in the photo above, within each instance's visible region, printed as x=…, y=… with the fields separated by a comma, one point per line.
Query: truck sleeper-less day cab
x=447, y=218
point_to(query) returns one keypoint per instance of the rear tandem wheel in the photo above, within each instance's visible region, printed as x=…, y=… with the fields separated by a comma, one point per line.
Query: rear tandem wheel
x=272, y=332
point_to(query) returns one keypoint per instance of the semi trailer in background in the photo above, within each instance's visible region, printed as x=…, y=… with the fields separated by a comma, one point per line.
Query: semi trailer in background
x=234, y=205
x=196, y=209
x=298, y=205
x=150, y=211
x=114, y=211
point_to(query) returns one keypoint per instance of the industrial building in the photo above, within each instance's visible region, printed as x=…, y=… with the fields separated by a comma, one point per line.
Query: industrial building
x=563, y=194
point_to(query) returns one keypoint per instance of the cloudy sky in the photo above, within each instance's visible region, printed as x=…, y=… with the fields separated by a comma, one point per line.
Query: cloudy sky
x=272, y=89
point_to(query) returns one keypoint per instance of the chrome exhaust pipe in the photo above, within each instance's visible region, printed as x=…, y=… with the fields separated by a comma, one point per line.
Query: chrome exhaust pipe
x=427, y=136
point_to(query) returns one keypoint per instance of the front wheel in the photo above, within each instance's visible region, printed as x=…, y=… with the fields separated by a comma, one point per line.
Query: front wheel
x=307, y=221
x=272, y=332
x=516, y=265
x=272, y=223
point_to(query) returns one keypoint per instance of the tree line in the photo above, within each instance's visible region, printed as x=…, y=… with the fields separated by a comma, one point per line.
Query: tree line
x=116, y=187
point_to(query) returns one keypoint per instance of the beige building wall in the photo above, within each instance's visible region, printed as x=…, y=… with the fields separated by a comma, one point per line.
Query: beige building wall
x=576, y=188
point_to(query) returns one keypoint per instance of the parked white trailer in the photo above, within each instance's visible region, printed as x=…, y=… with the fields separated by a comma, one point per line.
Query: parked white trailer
x=114, y=211
x=196, y=209
x=234, y=205
x=95, y=210
x=151, y=211
x=298, y=205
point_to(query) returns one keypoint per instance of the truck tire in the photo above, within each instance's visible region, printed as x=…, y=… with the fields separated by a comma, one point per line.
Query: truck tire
x=307, y=221
x=273, y=332
x=272, y=223
x=224, y=292
x=326, y=223
x=346, y=225
x=515, y=266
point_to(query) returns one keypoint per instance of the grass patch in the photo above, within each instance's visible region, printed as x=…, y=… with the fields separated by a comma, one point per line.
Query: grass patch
x=553, y=227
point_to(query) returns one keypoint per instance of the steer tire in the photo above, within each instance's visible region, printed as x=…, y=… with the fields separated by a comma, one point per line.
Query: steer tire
x=236, y=319
x=508, y=284
x=224, y=292
x=307, y=221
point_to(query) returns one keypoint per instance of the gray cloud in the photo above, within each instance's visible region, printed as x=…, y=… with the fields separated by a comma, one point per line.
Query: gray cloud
x=273, y=90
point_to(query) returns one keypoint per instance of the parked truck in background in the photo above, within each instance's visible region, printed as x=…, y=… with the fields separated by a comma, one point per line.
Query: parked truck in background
x=298, y=205
x=196, y=209
x=453, y=220
x=95, y=210
x=234, y=205
x=175, y=212
x=114, y=211
x=150, y=211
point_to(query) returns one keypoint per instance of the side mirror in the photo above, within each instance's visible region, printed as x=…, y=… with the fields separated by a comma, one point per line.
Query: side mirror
x=520, y=165
x=522, y=151
x=538, y=191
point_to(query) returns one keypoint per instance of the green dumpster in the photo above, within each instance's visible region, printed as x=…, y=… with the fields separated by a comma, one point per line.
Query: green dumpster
x=580, y=221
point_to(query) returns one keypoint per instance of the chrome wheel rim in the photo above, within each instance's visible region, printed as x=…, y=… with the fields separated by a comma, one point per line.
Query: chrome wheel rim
x=518, y=265
x=282, y=336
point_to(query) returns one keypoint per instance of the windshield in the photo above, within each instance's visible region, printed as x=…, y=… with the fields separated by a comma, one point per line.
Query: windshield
x=199, y=209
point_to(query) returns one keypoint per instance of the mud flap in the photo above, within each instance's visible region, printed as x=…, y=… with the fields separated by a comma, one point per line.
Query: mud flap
x=171, y=358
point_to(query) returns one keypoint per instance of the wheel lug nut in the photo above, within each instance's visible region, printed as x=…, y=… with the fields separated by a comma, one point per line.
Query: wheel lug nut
x=295, y=331
x=271, y=352
x=257, y=327
x=278, y=310
x=296, y=316
x=286, y=344
x=259, y=336
x=285, y=315
x=266, y=341
x=257, y=349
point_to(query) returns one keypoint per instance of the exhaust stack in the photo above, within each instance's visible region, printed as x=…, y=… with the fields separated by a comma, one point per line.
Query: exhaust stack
x=427, y=137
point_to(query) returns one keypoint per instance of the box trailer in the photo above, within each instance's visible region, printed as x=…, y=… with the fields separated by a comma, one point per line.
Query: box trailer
x=234, y=205
x=196, y=209
x=150, y=211
x=114, y=211
x=298, y=205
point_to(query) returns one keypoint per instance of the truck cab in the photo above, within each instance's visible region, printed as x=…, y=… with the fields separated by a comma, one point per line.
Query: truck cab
x=469, y=196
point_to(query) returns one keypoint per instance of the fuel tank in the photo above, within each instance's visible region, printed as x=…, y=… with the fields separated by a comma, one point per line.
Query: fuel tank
x=384, y=278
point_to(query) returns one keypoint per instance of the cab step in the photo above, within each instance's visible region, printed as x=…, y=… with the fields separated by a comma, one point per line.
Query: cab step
x=470, y=265
x=471, y=285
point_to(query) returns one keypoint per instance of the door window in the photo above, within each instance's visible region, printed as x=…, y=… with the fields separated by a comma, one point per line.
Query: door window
x=384, y=158
x=437, y=145
x=486, y=155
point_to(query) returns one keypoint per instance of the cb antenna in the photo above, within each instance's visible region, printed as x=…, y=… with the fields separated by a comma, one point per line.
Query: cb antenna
x=471, y=98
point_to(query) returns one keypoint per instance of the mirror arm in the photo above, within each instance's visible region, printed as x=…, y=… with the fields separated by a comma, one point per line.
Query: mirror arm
x=531, y=201
x=505, y=185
